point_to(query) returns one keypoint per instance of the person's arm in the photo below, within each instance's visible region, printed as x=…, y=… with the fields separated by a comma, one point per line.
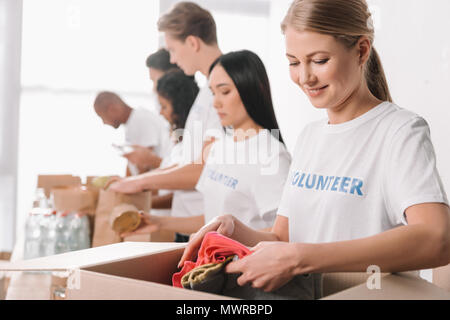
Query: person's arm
x=150, y=223
x=231, y=227
x=178, y=178
x=186, y=225
x=164, y=169
x=144, y=158
x=182, y=177
x=162, y=202
x=423, y=243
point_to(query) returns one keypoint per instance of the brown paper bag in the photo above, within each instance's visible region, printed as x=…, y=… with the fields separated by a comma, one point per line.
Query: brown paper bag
x=78, y=199
x=50, y=181
x=103, y=233
x=124, y=218
x=89, y=180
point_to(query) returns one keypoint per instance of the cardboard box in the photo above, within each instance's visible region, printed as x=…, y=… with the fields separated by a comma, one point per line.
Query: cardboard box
x=74, y=198
x=122, y=271
x=441, y=277
x=139, y=270
x=49, y=181
x=394, y=287
x=4, y=280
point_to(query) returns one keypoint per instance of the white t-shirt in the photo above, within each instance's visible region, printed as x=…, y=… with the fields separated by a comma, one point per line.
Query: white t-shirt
x=185, y=203
x=202, y=122
x=169, y=160
x=147, y=129
x=356, y=179
x=245, y=179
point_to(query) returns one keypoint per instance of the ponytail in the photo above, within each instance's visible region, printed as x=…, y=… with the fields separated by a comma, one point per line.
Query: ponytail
x=347, y=21
x=376, y=79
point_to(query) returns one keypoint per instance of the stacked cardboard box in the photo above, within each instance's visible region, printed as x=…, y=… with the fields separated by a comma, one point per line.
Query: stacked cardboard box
x=69, y=194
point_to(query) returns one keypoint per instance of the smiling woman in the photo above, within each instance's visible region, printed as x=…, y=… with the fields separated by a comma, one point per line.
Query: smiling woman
x=302, y=19
x=360, y=180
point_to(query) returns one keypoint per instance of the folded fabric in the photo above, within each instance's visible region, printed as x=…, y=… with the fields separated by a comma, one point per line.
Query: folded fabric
x=215, y=248
x=300, y=287
x=207, y=274
x=209, y=277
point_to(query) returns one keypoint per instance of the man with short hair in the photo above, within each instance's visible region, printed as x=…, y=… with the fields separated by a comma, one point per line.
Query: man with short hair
x=143, y=129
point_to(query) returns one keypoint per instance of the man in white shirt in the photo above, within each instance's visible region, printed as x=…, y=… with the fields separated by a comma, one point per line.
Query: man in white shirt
x=143, y=130
x=190, y=37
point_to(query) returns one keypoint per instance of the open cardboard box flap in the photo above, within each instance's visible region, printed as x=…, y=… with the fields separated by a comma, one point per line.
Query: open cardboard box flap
x=82, y=259
x=394, y=287
x=121, y=271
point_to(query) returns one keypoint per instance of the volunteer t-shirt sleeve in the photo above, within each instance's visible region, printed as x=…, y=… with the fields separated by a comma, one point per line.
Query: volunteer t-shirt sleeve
x=283, y=208
x=411, y=176
x=200, y=186
x=268, y=188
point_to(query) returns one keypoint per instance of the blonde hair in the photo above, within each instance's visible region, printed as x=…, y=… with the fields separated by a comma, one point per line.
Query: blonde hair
x=347, y=21
x=189, y=19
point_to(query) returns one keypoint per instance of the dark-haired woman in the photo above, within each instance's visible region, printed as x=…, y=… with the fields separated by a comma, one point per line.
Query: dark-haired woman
x=243, y=171
x=363, y=189
x=142, y=159
x=176, y=94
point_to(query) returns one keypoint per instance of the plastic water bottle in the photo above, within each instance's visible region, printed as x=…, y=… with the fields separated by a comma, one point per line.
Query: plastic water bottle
x=79, y=232
x=72, y=232
x=33, y=230
x=47, y=240
x=62, y=234
x=32, y=236
x=75, y=226
x=84, y=237
x=40, y=199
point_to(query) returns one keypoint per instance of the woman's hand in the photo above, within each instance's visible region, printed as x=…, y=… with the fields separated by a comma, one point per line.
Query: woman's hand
x=269, y=267
x=128, y=185
x=111, y=180
x=222, y=224
x=149, y=224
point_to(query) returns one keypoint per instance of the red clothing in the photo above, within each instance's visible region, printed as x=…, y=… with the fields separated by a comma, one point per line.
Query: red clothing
x=215, y=248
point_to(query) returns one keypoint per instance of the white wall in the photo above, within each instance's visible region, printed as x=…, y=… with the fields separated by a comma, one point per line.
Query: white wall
x=414, y=43
x=292, y=107
x=69, y=54
x=413, y=40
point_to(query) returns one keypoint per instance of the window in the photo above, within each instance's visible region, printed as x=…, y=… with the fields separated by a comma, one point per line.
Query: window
x=71, y=50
